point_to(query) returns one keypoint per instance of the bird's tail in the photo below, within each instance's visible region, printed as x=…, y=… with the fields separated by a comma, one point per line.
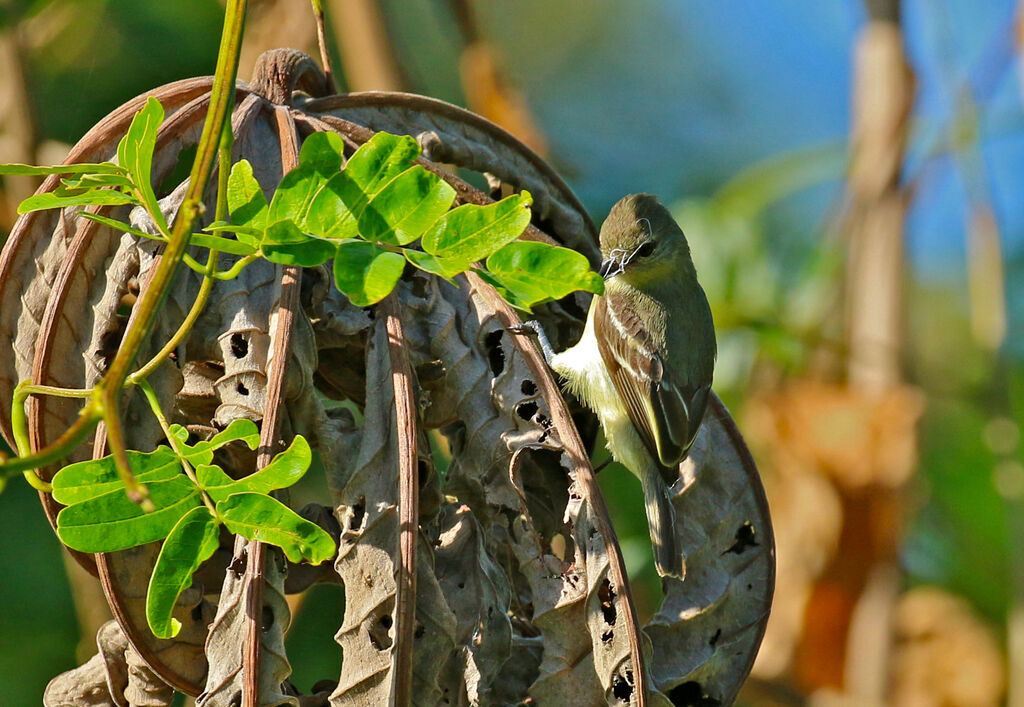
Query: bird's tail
x=661, y=520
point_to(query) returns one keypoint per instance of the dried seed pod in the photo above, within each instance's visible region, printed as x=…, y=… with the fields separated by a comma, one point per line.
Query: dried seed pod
x=511, y=584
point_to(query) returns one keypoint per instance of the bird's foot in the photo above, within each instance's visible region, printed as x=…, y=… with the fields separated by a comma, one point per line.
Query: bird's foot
x=533, y=328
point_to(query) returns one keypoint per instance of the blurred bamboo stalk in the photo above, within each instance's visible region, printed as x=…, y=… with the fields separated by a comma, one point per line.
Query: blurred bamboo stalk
x=847, y=642
x=882, y=100
x=985, y=277
x=488, y=91
x=276, y=23
x=368, y=60
x=17, y=128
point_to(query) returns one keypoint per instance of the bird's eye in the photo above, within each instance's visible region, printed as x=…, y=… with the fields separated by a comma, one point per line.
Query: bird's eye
x=646, y=249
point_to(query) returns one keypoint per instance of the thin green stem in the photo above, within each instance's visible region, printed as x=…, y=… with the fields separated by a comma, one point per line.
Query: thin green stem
x=88, y=419
x=233, y=272
x=186, y=326
x=19, y=424
x=154, y=404
x=221, y=99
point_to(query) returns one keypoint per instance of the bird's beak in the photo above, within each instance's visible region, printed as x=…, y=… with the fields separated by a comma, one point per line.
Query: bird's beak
x=613, y=265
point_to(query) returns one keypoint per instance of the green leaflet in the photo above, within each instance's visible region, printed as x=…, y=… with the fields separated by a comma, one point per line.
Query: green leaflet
x=324, y=152
x=246, y=201
x=192, y=541
x=224, y=245
x=135, y=153
x=118, y=225
x=367, y=172
x=434, y=265
x=58, y=200
x=285, y=243
x=112, y=522
x=406, y=206
x=202, y=452
x=83, y=168
x=258, y=517
x=90, y=181
x=365, y=272
x=283, y=470
x=470, y=232
x=80, y=482
x=538, y=271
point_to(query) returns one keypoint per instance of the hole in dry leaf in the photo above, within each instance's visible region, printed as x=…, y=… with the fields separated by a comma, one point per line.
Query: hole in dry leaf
x=267, y=617
x=607, y=636
x=420, y=630
x=461, y=585
x=691, y=694
x=379, y=632
x=526, y=410
x=621, y=688
x=746, y=536
x=197, y=612
x=714, y=639
x=606, y=595
x=422, y=472
x=355, y=520
x=419, y=287
x=236, y=701
x=242, y=390
x=528, y=387
x=239, y=346
x=238, y=564
x=495, y=353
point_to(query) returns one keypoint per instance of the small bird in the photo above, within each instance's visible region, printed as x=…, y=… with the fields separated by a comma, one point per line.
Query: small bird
x=646, y=358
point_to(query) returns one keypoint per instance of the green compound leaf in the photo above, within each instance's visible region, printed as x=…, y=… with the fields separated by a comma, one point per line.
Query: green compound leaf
x=258, y=517
x=135, y=153
x=537, y=271
x=283, y=470
x=285, y=243
x=59, y=200
x=470, y=232
x=365, y=272
x=84, y=168
x=80, y=482
x=405, y=207
x=192, y=541
x=112, y=522
x=324, y=152
x=223, y=245
x=246, y=201
x=119, y=226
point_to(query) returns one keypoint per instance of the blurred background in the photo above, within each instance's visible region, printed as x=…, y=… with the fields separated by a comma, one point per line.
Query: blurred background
x=848, y=174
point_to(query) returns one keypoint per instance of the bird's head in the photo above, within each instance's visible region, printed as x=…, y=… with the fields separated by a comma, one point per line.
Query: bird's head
x=642, y=243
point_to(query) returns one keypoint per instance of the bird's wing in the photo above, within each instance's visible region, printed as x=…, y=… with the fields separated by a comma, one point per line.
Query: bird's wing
x=665, y=411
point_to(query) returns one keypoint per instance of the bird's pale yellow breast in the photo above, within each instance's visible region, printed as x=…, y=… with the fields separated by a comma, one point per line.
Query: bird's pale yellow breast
x=586, y=377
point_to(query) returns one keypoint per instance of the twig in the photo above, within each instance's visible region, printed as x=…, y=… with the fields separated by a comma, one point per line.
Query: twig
x=288, y=304
x=408, y=502
x=321, y=41
x=573, y=446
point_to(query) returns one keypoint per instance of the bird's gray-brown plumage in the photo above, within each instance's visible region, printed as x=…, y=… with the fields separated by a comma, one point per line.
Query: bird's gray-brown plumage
x=655, y=345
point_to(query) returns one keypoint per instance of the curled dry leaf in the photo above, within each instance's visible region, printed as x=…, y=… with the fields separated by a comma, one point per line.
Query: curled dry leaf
x=520, y=592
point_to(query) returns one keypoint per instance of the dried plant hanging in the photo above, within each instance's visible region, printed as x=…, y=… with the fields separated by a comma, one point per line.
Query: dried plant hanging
x=497, y=581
